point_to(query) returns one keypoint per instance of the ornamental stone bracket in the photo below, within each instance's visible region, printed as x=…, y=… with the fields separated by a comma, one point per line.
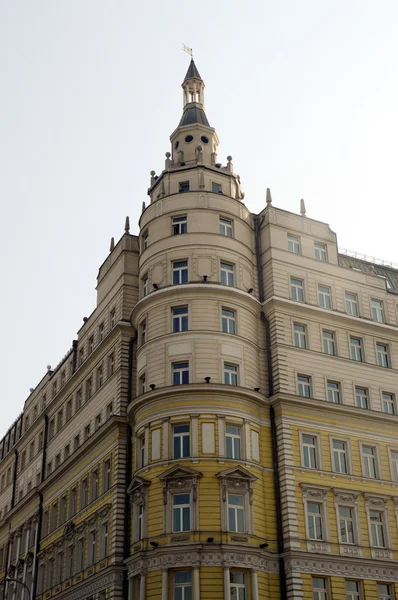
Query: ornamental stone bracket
x=314, y=492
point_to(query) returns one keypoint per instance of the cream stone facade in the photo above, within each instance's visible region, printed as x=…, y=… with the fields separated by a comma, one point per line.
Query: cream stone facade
x=224, y=425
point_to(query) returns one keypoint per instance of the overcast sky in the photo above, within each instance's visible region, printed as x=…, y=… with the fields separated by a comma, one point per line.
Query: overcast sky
x=303, y=94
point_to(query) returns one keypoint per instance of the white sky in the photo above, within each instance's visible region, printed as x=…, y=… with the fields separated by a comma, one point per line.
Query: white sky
x=303, y=94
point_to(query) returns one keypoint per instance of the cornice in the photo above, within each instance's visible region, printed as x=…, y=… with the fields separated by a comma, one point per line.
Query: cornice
x=361, y=568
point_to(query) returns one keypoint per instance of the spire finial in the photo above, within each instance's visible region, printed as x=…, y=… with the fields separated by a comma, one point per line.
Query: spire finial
x=112, y=244
x=302, y=208
x=268, y=197
x=127, y=225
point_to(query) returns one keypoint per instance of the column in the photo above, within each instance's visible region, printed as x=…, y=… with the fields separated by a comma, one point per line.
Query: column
x=227, y=588
x=146, y=447
x=165, y=584
x=196, y=584
x=254, y=585
x=131, y=589
x=247, y=440
x=142, y=586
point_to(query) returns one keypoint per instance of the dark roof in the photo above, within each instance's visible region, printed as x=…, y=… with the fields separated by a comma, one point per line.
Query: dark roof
x=194, y=114
x=192, y=71
x=388, y=273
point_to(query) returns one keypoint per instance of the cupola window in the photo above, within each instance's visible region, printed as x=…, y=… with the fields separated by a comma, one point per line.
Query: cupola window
x=183, y=186
x=189, y=139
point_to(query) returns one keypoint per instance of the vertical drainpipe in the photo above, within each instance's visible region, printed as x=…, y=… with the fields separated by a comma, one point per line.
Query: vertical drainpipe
x=275, y=463
x=40, y=509
x=127, y=515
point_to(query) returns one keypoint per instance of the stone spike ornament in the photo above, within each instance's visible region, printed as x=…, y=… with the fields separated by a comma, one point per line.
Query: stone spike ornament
x=127, y=225
x=112, y=244
x=268, y=197
x=303, y=211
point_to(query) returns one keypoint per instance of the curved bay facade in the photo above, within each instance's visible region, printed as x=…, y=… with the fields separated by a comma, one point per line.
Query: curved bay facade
x=224, y=427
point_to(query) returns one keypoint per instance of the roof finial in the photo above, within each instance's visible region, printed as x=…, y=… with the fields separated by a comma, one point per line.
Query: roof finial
x=187, y=50
x=112, y=244
x=268, y=197
x=127, y=225
x=302, y=208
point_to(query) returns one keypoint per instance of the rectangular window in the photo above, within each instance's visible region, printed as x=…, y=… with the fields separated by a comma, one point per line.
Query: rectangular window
x=142, y=450
x=72, y=502
x=76, y=442
x=86, y=432
x=78, y=399
x=304, y=386
x=334, y=392
x=100, y=377
x=237, y=584
x=140, y=517
x=145, y=286
x=346, y=525
x=69, y=409
x=226, y=227
x=83, y=493
x=369, y=461
x=69, y=561
x=180, y=272
x=89, y=389
x=101, y=331
x=353, y=590
x=293, y=244
x=49, y=573
x=328, y=342
x=382, y=356
x=216, y=188
x=179, y=225
x=233, y=442
x=356, y=349
x=54, y=514
x=143, y=332
x=377, y=532
x=109, y=410
x=385, y=591
x=236, y=513
x=228, y=320
x=324, y=296
x=181, y=512
x=62, y=510
x=182, y=585
x=111, y=364
x=183, y=186
x=63, y=379
x=180, y=373
x=90, y=344
x=80, y=555
x=377, y=311
x=299, y=336
x=314, y=516
x=320, y=252
x=394, y=464
x=230, y=374
x=180, y=318
x=145, y=239
x=142, y=384
x=361, y=397
x=227, y=274
x=81, y=357
x=351, y=304
x=309, y=451
x=320, y=588
x=112, y=318
x=106, y=475
x=104, y=540
x=388, y=403
x=340, y=464
x=181, y=441
x=94, y=484
x=92, y=547
x=296, y=289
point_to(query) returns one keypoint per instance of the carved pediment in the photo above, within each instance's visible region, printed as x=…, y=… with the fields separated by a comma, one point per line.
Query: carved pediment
x=376, y=500
x=314, y=492
x=179, y=478
x=69, y=530
x=236, y=479
x=137, y=489
x=350, y=496
x=237, y=473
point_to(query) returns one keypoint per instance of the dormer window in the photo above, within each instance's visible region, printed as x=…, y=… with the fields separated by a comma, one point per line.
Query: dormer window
x=183, y=186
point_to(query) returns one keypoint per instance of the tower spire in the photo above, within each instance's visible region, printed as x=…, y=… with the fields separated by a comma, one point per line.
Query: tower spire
x=193, y=88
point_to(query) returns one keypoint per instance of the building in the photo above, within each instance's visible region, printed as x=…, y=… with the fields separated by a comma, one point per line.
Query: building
x=224, y=426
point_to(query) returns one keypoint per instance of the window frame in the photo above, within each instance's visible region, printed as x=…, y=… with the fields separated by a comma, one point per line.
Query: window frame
x=179, y=224
x=321, y=251
x=227, y=319
x=334, y=392
x=233, y=437
x=347, y=452
x=366, y=395
x=319, y=593
x=296, y=292
x=351, y=302
x=181, y=585
x=356, y=349
x=228, y=225
x=317, y=449
x=299, y=336
x=227, y=272
x=325, y=299
x=180, y=271
x=180, y=319
x=230, y=373
x=390, y=401
x=364, y=460
x=229, y=478
x=181, y=480
x=377, y=311
x=383, y=357
x=181, y=437
x=329, y=342
x=293, y=244
x=306, y=385
x=180, y=368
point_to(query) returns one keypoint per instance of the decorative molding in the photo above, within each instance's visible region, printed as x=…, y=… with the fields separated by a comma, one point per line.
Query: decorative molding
x=341, y=496
x=180, y=477
x=314, y=492
x=376, y=500
x=236, y=478
x=137, y=490
x=363, y=569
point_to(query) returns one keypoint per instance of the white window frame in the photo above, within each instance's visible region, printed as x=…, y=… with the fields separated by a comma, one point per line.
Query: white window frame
x=329, y=343
x=145, y=240
x=334, y=391
x=325, y=296
x=179, y=318
x=377, y=310
x=317, y=449
x=180, y=436
x=293, y=244
x=296, y=287
x=304, y=385
x=300, y=338
x=228, y=321
x=388, y=401
x=179, y=368
x=184, y=586
x=226, y=227
x=389, y=594
x=227, y=274
x=143, y=332
x=318, y=495
x=393, y=462
x=346, y=527
x=347, y=453
x=321, y=252
x=180, y=480
x=237, y=587
x=230, y=374
x=314, y=520
x=362, y=396
x=356, y=350
x=320, y=593
x=354, y=594
x=138, y=492
x=383, y=356
x=233, y=436
x=179, y=224
x=351, y=304
x=365, y=462
x=145, y=285
x=180, y=268
x=229, y=479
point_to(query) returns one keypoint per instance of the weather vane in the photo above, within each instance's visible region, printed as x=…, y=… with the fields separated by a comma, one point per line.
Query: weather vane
x=188, y=50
